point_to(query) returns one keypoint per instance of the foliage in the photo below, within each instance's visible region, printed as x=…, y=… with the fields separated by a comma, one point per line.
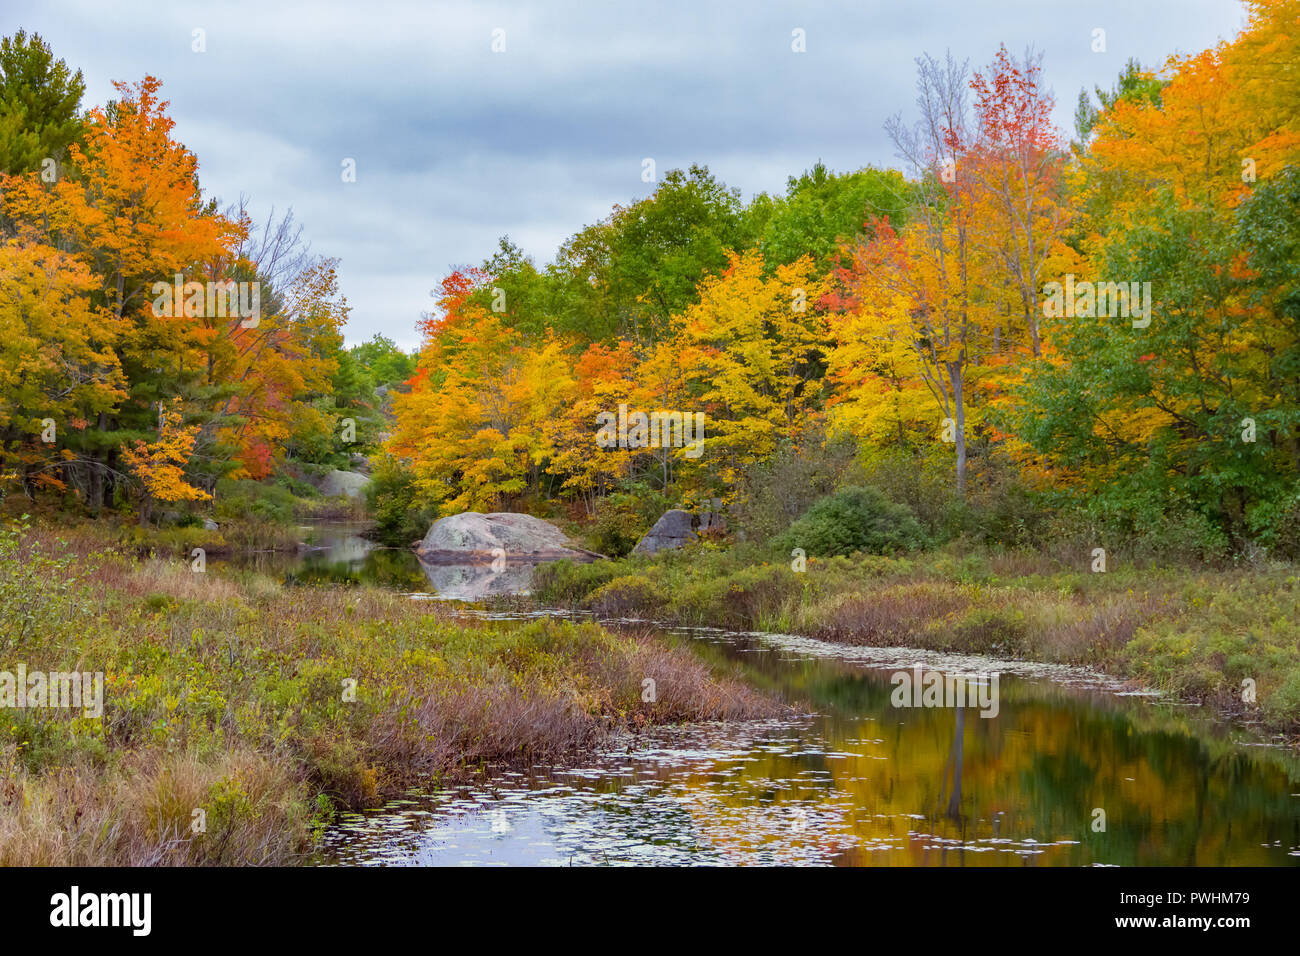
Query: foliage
x=773, y=492
x=854, y=519
x=39, y=100
x=160, y=465
x=399, y=518
x=902, y=318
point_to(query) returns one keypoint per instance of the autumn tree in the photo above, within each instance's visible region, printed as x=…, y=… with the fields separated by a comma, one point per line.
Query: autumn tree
x=603, y=379
x=129, y=211
x=1189, y=409
x=1016, y=162
x=934, y=263
x=159, y=466
x=476, y=424
x=58, y=368
x=752, y=350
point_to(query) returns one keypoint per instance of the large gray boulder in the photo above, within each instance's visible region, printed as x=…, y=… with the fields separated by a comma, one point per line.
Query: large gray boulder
x=675, y=529
x=678, y=528
x=343, y=483
x=471, y=537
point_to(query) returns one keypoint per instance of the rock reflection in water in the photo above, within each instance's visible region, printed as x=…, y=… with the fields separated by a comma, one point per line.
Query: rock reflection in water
x=477, y=582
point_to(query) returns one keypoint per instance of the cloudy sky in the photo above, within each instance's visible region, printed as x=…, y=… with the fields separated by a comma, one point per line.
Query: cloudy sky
x=456, y=145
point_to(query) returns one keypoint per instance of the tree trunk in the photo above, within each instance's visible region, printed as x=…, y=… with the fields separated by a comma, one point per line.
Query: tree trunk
x=959, y=411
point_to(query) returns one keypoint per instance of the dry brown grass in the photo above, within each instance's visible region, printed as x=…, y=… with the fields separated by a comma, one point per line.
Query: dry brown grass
x=685, y=689
x=891, y=615
x=144, y=814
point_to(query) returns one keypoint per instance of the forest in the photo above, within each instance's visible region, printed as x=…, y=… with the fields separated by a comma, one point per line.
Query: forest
x=118, y=400
x=896, y=328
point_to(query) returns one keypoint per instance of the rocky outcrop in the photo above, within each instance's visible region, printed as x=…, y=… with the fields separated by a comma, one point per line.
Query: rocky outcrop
x=678, y=528
x=675, y=529
x=712, y=521
x=474, y=538
x=343, y=484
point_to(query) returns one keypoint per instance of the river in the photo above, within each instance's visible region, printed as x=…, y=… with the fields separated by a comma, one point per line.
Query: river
x=1072, y=770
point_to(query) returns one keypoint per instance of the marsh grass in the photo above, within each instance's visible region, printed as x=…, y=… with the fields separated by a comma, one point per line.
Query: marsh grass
x=1197, y=632
x=229, y=694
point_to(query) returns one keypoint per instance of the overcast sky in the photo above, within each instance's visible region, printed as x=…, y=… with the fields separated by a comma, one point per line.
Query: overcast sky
x=456, y=145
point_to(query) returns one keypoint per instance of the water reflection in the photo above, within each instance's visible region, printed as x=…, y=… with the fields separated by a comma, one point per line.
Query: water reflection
x=332, y=554
x=478, y=582
x=861, y=782
x=342, y=554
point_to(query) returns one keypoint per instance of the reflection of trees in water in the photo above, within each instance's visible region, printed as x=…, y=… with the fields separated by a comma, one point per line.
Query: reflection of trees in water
x=1173, y=793
x=388, y=568
x=954, y=765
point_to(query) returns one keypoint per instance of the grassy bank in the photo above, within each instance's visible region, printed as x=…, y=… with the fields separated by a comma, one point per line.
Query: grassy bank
x=226, y=701
x=1195, y=633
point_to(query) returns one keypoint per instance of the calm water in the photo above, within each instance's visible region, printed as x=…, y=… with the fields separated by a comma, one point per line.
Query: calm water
x=335, y=554
x=339, y=554
x=857, y=781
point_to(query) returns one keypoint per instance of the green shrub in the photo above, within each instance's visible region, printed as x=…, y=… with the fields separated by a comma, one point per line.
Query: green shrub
x=1144, y=527
x=773, y=492
x=1276, y=525
x=926, y=484
x=991, y=631
x=1002, y=511
x=567, y=582
x=622, y=520
x=752, y=597
x=855, y=520
x=401, y=516
x=615, y=532
x=628, y=594
x=265, y=500
x=1182, y=535
x=42, y=593
x=1283, y=705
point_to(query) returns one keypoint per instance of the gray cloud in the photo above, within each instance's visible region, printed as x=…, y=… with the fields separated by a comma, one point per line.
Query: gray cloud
x=456, y=145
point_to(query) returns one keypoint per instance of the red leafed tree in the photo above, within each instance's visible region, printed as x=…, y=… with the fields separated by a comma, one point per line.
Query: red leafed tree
x=455, y=291
x=1015, y=163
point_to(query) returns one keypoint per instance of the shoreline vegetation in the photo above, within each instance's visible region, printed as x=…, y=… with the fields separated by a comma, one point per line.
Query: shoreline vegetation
x=228, y=694
x=1207, y=635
